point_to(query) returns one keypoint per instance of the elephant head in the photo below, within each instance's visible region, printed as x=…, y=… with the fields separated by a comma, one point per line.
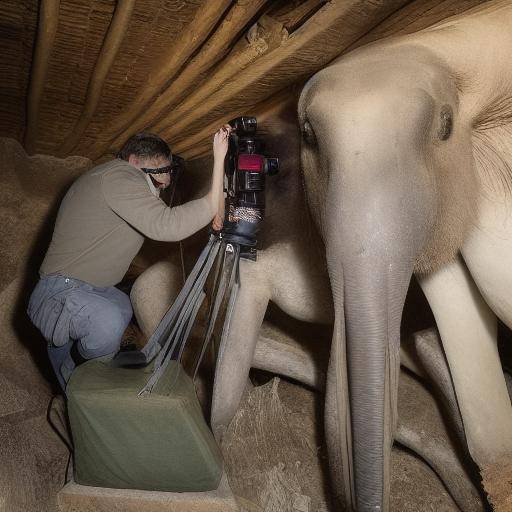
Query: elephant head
x=387, y=159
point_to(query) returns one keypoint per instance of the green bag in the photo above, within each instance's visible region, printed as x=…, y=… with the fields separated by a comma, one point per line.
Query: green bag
x=157, y=441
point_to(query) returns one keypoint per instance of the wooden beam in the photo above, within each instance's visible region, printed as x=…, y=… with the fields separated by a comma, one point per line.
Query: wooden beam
x=206, y=17
x=46, y=31
x=111, y=44
x=214, y=49
x=411, y=18
x=200, y=145
x=262, y=38
x=323, y=37
x=197, y=152
x=292, y=19
x=195, y=145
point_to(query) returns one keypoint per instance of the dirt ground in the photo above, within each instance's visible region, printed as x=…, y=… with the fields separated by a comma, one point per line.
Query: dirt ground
x=276, y=460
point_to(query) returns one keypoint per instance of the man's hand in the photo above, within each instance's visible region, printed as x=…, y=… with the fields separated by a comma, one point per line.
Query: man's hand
x=216, y=195
x=217, y=223
x=221, y=143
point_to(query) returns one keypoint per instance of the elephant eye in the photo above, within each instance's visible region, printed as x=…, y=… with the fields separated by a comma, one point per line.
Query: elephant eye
x=308, y=133
x=446, y=122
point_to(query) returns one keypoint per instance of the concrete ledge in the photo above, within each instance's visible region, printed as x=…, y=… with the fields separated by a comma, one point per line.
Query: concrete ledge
x=81, y=498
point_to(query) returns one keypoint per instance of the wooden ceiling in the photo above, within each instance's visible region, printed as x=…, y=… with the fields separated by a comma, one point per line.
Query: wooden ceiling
x=80, y=76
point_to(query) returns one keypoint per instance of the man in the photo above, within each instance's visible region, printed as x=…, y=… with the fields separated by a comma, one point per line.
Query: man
x=100, y=227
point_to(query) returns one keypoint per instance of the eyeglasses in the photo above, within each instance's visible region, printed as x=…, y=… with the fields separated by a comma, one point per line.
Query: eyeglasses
x=158, y=170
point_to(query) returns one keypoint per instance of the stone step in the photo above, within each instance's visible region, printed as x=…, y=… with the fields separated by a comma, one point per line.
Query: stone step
x=81, y=498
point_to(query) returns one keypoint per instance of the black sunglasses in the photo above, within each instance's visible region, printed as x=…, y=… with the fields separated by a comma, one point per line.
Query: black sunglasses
x=158, y=170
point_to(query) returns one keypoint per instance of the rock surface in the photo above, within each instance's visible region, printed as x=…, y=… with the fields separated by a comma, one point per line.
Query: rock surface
x=33, y=457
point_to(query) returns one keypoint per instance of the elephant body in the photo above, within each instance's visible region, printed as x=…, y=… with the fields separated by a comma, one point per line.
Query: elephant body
x=407, y=158
x=291, y=272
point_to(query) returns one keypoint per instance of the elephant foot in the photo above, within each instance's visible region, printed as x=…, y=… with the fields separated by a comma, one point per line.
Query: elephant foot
x=497, y=482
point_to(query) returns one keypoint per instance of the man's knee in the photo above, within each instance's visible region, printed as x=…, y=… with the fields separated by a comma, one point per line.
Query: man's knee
x=103, y=332
x=123, y=302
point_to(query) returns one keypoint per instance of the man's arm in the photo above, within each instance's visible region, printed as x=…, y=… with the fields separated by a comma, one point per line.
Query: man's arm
x=129, y=196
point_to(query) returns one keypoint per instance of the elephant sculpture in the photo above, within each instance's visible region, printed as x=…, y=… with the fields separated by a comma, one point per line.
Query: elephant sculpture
x=406, y=154
x=407, y=160
x=291, y=272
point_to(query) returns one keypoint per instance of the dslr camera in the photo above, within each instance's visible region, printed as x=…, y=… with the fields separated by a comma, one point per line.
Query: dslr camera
x=246, y=167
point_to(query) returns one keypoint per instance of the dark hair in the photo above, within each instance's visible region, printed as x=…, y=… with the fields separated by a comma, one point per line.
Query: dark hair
x=144, y=145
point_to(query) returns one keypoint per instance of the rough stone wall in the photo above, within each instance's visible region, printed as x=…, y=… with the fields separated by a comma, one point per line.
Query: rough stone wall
x=18, y=20
x=33, y=457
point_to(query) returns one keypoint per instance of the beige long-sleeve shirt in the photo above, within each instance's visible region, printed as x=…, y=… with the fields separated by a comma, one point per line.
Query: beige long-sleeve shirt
x=103, y=219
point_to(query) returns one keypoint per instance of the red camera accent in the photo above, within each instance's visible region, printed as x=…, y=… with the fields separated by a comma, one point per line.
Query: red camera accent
x=251, y=162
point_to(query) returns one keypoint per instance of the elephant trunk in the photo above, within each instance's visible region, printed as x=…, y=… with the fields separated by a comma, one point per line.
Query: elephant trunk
x=369, y=291
x=375, y=224
x=373, y=297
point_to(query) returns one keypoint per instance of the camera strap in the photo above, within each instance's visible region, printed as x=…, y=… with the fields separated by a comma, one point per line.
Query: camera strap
x=219, y=260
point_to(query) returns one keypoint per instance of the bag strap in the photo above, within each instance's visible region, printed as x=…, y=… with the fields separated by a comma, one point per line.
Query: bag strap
x=168, y=341
x=162, y=334
x=222, y=295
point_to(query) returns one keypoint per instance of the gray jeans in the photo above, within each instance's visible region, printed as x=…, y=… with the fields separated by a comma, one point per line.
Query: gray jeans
x=78, y=320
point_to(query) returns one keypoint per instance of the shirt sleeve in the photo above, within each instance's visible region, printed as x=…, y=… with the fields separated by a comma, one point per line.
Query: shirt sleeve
x=130, y=198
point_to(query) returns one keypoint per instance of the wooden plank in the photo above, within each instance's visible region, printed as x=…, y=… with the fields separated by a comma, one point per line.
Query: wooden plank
x=323, y=37
x=115, y=35
x=293, y=17
x=213, y=50
x=164, y=71
x=75, y=497
x=47, y=29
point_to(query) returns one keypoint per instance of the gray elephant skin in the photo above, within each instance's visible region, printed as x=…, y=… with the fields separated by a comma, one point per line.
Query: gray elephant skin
x=406, y=166
x=407, y=154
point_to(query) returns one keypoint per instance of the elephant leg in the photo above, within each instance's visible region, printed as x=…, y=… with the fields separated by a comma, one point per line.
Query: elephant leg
x=236, y=352
x=278, y=352
x=429, y=350
x=468, y=331
x=409, y=357
x=153, y=292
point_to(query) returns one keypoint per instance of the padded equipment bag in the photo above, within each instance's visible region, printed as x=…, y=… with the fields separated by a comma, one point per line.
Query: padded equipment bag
x=156, y=441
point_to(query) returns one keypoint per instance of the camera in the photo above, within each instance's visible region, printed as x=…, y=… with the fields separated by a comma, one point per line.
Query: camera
x=246, y=167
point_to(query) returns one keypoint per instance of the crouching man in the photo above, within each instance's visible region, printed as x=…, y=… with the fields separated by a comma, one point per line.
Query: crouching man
x=100, y=227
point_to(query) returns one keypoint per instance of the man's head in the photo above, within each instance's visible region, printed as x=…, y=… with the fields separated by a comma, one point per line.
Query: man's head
x=149, y=153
